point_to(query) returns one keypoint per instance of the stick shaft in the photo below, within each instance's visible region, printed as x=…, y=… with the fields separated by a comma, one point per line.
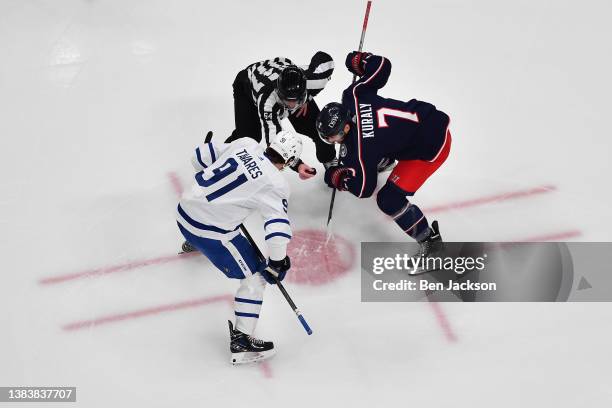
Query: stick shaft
x=363, y=31
x=278, y=283
x=331, y=206
x=365, y=24
x=208, y=137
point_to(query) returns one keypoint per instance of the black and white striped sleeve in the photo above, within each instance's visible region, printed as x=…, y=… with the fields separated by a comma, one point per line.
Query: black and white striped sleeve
x=263, y=76
x=319, y=72
x=269, y=115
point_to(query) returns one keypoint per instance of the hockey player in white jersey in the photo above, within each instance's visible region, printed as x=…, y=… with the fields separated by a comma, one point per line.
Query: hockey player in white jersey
x=232, y=180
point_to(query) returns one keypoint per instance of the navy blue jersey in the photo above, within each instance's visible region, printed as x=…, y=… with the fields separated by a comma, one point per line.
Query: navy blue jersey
x=384, y=127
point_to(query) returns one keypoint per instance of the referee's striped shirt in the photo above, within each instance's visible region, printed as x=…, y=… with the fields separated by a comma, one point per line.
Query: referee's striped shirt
x=263, y=75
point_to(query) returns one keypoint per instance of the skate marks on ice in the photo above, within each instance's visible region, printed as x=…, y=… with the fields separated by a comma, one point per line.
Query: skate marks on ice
x=316, y=262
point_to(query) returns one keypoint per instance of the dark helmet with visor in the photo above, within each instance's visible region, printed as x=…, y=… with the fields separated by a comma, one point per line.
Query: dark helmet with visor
x=331, y=121
x=291, y=85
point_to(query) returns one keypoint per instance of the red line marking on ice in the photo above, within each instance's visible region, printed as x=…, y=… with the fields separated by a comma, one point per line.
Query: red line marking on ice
x=176, y=183
x=510, y=195
x=443, y=321
x=115, y=268
x=178, y=189
x=266, y=369
x=155, y=310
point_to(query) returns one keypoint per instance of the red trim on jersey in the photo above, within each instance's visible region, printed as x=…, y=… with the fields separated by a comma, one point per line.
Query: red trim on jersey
x=363, y=175
x=446, y=136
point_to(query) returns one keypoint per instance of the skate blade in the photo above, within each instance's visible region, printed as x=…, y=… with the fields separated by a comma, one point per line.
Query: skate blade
x=251, y=356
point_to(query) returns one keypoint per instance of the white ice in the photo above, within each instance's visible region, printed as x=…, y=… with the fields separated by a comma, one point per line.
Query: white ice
x=101, y=100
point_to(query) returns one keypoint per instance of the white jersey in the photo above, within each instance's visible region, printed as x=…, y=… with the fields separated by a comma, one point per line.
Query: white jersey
x=232, y=180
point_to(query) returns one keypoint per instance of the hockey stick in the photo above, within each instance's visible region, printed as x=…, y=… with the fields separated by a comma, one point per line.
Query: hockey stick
x=207, y=139
x=363, y=31
x=278, y=283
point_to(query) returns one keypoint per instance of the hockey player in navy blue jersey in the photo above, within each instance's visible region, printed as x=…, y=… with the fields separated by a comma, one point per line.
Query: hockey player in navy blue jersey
x=374, y=130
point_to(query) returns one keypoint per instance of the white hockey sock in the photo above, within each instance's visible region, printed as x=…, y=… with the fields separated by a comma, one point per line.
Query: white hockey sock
x=248, y=301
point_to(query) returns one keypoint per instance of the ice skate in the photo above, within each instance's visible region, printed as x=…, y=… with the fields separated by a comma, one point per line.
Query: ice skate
x=430, y=247
x=246, y=349
x=433, y=244
x=187, y=247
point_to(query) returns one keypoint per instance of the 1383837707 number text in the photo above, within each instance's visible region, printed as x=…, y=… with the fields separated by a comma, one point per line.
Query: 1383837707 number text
x=37, y=394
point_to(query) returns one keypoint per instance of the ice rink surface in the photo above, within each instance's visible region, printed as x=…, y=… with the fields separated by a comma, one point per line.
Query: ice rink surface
x=101, y=103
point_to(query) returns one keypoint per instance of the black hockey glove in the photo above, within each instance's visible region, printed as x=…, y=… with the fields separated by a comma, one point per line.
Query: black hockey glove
x=355, y=62
x=296, y=166
x=276, y=269
x=336, y=177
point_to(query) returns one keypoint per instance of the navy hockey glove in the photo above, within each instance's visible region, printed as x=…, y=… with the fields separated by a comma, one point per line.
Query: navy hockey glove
x=355, y=62
x=336, y=177
x=332, y=163
x=276, y=269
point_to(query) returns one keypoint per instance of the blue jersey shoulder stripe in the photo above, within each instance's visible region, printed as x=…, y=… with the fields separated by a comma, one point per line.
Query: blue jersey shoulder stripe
x=199, y=157
x=241, y=314
x=278, y=234
x=243, y=300
x=212, y=152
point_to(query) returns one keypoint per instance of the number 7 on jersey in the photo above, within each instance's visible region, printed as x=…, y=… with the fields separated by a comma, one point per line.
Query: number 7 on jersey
x=383, y=112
